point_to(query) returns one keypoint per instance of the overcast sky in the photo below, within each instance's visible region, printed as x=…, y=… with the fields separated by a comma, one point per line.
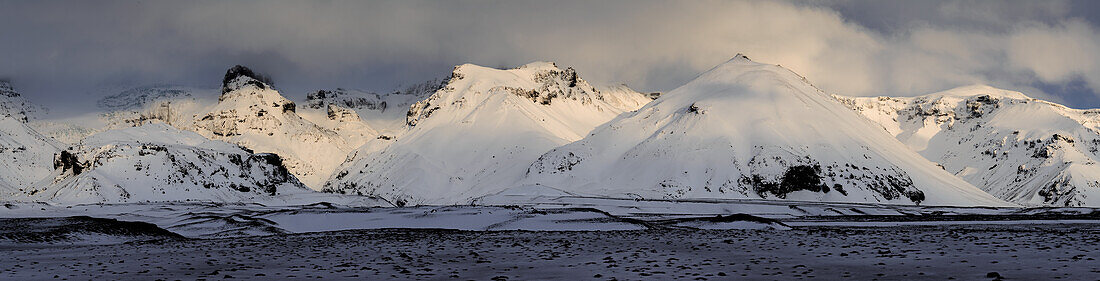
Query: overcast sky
x=64, y=53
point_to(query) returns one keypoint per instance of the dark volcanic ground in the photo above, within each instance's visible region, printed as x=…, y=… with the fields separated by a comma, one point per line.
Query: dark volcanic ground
x=954, y=252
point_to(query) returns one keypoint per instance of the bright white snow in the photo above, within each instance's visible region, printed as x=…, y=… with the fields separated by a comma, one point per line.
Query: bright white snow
x=477, y=134
x=749, y=130
x=1020, y=149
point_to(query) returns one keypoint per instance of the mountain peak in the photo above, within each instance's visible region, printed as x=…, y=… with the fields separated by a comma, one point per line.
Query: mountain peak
x=239, y=76
x=6, y=89
x=746, y=128
x=740, y=57
x=15, y=105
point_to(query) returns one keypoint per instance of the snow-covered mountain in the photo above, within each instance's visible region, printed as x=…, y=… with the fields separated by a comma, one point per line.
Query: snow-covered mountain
x=749, y=130
x=159, y=163
x=385, y=113
x=138, y=97
x=176, y=105
x=1020, y=149
x=252, y=114
x=477, y=133
x=25, y=156
x=14, y=105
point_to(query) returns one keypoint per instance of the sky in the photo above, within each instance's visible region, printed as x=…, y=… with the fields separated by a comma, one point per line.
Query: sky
x=64, y=54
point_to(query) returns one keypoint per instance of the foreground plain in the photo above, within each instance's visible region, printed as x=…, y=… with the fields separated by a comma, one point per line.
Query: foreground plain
x=938, y=252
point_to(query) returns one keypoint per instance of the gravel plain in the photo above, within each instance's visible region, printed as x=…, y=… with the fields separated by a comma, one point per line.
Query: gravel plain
x=945, y=252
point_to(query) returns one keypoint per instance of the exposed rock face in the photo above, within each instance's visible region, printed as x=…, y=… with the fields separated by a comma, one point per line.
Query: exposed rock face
x=340, y=114
x=239, y=76
x=1020, y=149
x=381, y=112
x=340, y=97
x=67, y=162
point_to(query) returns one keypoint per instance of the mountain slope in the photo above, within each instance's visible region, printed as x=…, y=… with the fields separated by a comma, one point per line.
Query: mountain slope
x=160, y=163
x=475, y=135
x=1020, y=149
x=14, y=105
x=176, y=105
x=253, y=115
x=749, y=130
x=25, y=156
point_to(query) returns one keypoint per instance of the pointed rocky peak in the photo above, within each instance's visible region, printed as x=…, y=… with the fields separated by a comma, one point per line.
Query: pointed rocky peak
x=252, y=114
x=240, y=76
x=739, y=57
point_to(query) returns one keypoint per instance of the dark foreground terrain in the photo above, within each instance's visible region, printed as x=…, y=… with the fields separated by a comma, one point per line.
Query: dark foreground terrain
x=951, y=252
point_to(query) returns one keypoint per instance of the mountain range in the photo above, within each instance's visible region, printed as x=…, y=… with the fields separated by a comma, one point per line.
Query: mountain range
x=742, y=130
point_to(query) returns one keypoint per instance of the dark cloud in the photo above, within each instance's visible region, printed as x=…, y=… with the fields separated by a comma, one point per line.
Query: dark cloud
x=60, y=52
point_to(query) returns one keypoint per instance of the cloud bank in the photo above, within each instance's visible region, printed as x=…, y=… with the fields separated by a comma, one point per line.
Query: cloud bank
x=70, y=48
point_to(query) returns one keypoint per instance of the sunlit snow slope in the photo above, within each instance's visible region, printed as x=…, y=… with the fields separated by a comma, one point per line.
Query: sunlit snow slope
x=749, y=130
x=477, y=134
x=252, y=114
